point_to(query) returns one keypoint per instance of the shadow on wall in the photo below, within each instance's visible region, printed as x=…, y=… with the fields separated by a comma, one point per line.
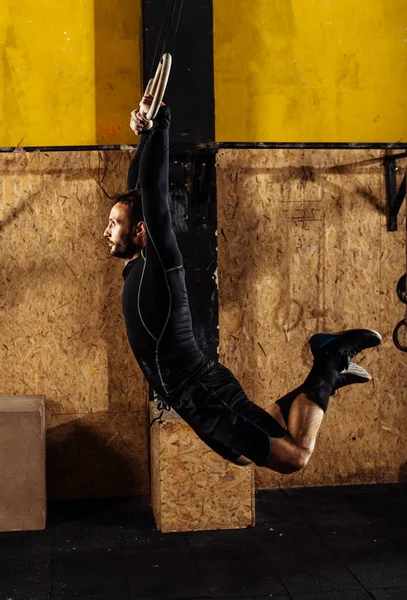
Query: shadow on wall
x=118, y=68
x=81, y=463
x=403, y=473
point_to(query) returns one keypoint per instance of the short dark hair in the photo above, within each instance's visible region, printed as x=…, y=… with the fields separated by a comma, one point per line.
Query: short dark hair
x=132, y=202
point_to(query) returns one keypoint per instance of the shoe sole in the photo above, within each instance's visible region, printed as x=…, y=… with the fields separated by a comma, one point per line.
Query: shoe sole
x=356, y=374
x=319, y=340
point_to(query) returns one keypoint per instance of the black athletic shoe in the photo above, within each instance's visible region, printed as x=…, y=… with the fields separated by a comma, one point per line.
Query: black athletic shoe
x=345, y=344
x=353, y=374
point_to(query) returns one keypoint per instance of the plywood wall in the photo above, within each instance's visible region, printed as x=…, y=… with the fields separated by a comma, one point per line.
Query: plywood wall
x=303, y=247
x=62, y=330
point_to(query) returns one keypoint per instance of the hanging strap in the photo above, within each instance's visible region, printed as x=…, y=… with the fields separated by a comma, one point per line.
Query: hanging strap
x=159, y=47
x=174, y=37
x=157, y=85
x=172, y=16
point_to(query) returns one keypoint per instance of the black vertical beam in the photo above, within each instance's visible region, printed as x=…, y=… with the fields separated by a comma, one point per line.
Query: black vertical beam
x=193, y=211
x=190, y=95
x=190, y=91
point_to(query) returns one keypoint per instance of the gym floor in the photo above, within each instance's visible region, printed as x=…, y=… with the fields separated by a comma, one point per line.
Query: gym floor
x=338, y=543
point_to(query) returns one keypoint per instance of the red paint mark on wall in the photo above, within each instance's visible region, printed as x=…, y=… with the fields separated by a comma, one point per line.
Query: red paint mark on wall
x=109, y=131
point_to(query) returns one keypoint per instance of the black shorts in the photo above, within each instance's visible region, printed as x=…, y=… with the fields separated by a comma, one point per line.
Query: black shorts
x=220, y=413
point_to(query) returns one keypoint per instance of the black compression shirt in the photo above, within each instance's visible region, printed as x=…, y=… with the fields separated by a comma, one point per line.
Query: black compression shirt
x=155, y=299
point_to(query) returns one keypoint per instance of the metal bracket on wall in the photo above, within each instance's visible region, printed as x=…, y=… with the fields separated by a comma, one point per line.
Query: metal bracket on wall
x=395, y=196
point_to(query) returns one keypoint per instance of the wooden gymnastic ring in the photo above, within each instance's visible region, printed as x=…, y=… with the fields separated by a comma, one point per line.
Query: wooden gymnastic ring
x=157, y=86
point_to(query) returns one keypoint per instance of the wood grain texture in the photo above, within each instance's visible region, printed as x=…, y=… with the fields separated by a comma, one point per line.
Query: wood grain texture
x=60, y=304
x=63, y=333
x=192, y=488
x=303, y=247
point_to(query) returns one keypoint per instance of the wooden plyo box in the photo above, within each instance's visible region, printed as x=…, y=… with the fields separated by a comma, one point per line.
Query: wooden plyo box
x=192, y=487
x=22, y=463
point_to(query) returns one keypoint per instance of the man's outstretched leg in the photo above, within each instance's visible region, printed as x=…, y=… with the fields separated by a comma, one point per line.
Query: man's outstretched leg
x=304, y=421
x=292, y=453
x=280, y=410
x=305, y=407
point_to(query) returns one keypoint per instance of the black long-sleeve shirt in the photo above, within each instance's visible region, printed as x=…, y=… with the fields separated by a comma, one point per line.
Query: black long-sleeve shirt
x=155, y=298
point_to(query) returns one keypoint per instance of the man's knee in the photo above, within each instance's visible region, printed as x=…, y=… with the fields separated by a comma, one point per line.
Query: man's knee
x=298, y=460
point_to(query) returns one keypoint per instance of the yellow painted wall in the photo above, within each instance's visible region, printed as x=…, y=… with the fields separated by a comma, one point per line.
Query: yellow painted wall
x=70, y=71
x=310, y=71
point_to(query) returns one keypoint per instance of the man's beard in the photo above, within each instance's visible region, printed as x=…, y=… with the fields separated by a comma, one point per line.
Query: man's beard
x=124, y=248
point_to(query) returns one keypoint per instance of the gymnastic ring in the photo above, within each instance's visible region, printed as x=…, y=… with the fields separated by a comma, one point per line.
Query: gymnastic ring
x=156, y=87
x=401, y=289
x=395, y=336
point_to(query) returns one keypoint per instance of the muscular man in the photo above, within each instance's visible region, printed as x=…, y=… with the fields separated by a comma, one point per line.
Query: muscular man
x=159, y=328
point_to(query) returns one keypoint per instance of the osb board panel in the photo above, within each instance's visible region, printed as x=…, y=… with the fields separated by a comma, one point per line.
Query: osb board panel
x=192, y=487
x=97, y=455
x=63, y=333
x=303, y=247
x=393, y=372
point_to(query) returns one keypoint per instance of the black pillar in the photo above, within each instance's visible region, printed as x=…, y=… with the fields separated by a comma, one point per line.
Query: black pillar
x=190, y=95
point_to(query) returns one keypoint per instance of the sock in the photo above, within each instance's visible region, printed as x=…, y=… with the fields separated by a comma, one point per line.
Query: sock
x=286, y=401
x=318, y=385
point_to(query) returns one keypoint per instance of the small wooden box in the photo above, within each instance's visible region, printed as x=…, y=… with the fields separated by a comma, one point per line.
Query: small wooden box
x=22, y=463
x=192, y=487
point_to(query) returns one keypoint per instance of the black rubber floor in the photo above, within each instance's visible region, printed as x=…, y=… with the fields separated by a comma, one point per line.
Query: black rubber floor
x=342, y=543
